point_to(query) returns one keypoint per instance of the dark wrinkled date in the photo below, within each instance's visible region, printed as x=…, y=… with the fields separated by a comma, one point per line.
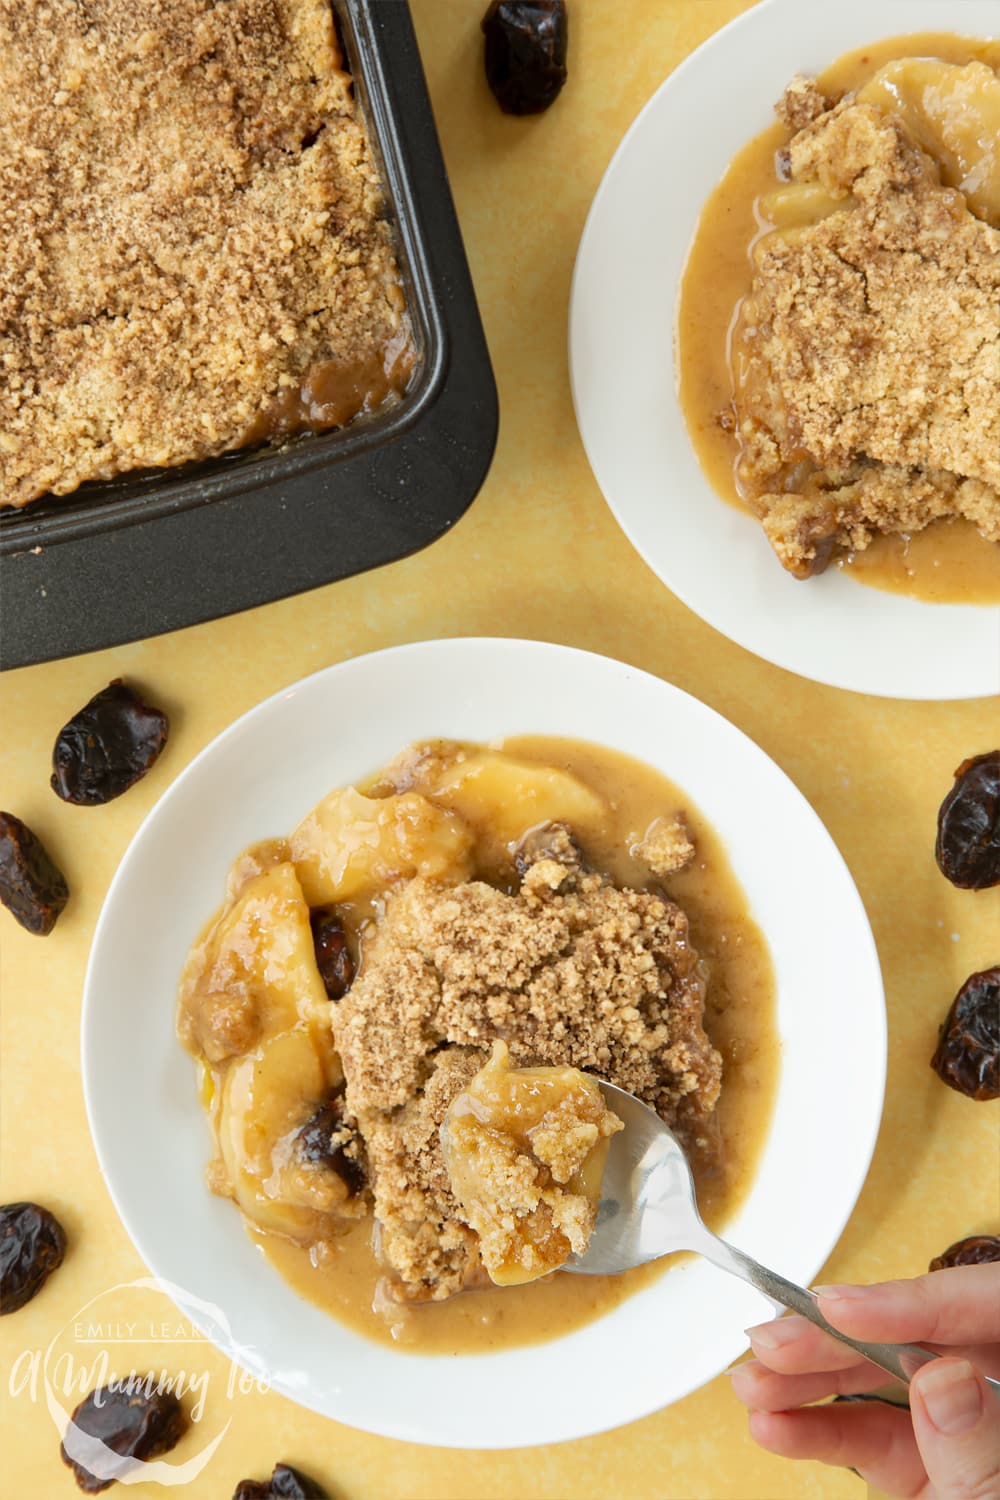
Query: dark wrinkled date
x=333, y=957
x=136, y=1422
x=32, y=887
x=315, y=1144
x=32, y=1246
x=526, y=53
x=107, y=747
x=285, y=1483
x=977, y=1250
x=968, y=1052
x=968, y=840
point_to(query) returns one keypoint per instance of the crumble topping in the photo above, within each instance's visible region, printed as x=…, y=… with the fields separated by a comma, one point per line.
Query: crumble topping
x=190, y=217
x=869, y=396
x=570, y=970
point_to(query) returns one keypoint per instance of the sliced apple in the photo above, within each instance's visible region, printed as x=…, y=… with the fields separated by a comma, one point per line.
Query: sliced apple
x=351, y=844
x=255, y=973
x=797, y=203
x=266, y=1098
x=954, y=114
x=503, y=797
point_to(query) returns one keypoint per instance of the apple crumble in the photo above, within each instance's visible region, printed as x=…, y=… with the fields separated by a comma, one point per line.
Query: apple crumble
x=864, y=357
x=868, y=398
x=401, y=1010
x=194, y=251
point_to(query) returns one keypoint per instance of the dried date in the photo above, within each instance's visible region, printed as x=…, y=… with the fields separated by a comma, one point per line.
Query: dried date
x=968, y=839
x=107, y=747
x=325, y=1140
x=135, y=1420
x=977, y=1250
x=32, y=887
x=526, y=53
x=968, y=1052
x=285, y=1483
x=333, y=957
x=32, y=1246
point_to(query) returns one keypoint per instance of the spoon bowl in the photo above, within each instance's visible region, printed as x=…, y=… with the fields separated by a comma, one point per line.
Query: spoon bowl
x=649, y=1208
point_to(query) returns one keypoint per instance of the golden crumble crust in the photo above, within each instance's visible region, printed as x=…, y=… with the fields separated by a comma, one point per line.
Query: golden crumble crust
x=190, y=218
x=871, y=396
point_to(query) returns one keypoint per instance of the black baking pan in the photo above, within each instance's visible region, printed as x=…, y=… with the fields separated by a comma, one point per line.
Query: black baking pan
x=147, y=553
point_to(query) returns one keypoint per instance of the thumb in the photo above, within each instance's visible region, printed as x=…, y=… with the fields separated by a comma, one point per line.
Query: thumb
x=956, y=1418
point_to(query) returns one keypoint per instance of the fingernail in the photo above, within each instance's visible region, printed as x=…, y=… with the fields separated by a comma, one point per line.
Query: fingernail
x=842, y=1293
x=774, y=1335
x=951, y=1395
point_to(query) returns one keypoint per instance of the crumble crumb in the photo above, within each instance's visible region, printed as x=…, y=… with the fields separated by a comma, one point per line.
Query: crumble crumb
x=191, y=222
x=667, y=847
x=801, y=103
x=871, y=341
x=571, y=971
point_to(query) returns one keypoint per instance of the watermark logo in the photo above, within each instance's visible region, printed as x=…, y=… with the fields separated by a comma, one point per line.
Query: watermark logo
x=129, y=1340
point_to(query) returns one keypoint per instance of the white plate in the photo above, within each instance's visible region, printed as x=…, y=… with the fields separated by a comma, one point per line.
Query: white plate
x=628, y=273
x=256, y=780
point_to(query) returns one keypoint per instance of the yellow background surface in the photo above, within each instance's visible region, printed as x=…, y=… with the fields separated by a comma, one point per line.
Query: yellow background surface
x=538, y=555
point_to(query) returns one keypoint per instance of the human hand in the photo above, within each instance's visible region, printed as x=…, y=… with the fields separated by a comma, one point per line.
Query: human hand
x=947, y=1446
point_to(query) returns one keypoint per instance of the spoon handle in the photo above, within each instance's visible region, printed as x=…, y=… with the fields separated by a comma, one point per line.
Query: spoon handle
x=900, y=1360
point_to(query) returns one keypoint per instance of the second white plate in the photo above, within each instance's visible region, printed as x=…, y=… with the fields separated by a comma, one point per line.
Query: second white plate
x=628, y=272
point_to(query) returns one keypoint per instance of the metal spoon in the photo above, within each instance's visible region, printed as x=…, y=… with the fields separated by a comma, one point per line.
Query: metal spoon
x=648, y=1209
